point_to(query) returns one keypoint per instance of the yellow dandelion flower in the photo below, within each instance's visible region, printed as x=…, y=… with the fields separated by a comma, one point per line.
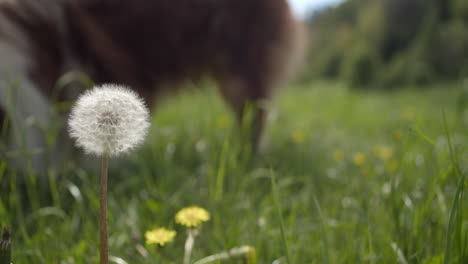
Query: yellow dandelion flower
x=392, y=166
x=159, y=236
x=359, y=159
x=298, y=137
x=383, y=152
x=192, y=216
x=338, y=155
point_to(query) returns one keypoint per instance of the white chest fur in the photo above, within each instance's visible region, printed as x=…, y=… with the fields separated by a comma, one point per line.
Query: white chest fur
x=20, y=99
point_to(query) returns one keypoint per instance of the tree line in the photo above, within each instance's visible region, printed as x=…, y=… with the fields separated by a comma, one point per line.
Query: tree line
x=389, y=43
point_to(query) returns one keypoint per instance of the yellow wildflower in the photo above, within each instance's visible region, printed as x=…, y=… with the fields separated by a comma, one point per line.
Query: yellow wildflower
x=192, y=216
x=359, y=159
x=383, y=152
x=298, y=137
x=338, y=155
x=393, y=166
x=159, y=236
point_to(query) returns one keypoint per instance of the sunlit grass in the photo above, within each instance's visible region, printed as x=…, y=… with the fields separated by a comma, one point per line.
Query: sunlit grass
x=362, y=177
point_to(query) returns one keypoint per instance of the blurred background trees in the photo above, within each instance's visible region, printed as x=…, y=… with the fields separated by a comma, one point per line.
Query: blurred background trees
x=389, y=43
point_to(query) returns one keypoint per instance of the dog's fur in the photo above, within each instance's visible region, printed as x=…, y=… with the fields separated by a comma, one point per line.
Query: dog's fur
x=248, y=47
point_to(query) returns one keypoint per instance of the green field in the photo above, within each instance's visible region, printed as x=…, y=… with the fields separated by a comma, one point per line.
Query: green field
x=361, y=177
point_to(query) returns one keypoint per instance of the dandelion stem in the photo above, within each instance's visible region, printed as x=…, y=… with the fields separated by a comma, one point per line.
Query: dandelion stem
x=189, y=245
x=104, y=248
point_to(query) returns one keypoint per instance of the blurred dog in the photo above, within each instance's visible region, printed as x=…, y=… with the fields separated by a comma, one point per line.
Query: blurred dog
x=248, y=47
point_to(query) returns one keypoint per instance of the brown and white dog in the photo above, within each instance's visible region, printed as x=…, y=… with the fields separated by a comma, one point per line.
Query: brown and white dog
x=248, y=47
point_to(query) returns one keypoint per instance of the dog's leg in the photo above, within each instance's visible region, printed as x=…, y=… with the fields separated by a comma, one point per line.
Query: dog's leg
x=248, y=102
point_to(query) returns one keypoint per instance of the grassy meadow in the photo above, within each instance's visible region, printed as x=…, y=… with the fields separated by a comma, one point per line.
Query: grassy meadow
x=345, y=176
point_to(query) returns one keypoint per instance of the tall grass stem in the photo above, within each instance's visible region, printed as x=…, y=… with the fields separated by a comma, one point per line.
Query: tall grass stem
x=456, y=200
x=324, y=232
x=276, y=198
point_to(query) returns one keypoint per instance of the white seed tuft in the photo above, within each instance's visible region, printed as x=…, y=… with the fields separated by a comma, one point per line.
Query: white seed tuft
x=109, y=119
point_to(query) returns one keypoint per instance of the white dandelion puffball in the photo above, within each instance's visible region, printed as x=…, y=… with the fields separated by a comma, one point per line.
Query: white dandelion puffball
x=109, y=119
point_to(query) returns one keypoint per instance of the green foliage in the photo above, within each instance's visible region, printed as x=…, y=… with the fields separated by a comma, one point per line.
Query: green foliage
x=371, y=23
x=328, y=51
x=449, y=48
x=361, y=67
x=414, y=42
x=406, y=70
x=403, y=20
x=328, y=64
x=460, y=9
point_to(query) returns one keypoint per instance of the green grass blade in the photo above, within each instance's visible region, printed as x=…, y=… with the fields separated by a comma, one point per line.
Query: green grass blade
x=324, y=233
x=456, y=200
x=221, y=172
x=274, y=189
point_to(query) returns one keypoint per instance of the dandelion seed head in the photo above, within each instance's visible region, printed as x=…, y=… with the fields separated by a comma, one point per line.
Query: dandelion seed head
x=192, y=216
x=109, y=119
x=160, y=236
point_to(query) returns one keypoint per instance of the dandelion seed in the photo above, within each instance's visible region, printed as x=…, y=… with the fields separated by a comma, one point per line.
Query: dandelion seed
x=160, y=236
x=109, y=120
x=192, y=216
x=386, y=188
x=347, y=202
